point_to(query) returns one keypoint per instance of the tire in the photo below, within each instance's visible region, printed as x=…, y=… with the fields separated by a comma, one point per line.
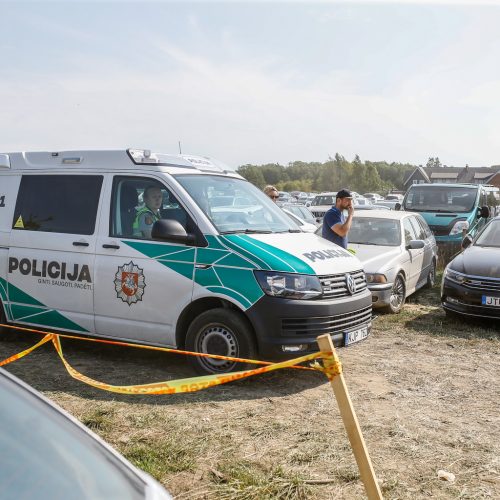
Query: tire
x=398, y=295
x=223, y=332
x=431, y=277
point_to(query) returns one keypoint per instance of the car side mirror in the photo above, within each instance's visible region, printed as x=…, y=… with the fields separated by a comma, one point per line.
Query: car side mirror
x=467, y=241
x=416, y=244
x=397, y=206
x=484, y=212
x=172, y=231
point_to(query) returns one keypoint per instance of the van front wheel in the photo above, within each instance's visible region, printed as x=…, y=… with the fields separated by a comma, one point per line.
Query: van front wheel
x=222, y=332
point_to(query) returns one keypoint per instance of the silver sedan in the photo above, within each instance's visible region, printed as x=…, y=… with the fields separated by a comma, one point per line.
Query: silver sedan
x=398, y=253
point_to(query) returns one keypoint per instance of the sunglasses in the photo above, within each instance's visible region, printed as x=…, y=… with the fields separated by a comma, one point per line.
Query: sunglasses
x=275, y=197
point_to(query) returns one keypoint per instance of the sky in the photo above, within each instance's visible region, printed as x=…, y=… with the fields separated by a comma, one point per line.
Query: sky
x=254, y=82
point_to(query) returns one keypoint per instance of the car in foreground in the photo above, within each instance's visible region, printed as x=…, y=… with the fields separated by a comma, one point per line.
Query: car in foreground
x=48, y=454
x=471, y=281
x=398, y=253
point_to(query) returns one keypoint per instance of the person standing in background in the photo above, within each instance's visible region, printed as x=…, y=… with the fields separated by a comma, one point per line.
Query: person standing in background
x=272, y=192
x=335, y=225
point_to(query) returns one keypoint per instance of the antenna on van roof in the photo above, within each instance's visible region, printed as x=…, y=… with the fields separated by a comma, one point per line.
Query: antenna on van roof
x=180, y=150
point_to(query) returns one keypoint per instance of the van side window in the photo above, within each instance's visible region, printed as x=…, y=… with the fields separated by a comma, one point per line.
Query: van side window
x=58, y=203
x=138, y=202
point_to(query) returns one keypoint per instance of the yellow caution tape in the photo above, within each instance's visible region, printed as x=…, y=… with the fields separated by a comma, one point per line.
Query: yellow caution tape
x=27, y=351
x=331, y=368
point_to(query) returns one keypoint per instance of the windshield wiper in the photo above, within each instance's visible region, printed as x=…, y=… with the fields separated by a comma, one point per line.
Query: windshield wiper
x=247, y=231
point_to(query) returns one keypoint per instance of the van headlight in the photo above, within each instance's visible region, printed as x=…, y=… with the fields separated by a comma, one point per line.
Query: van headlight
x=289, y=286
x=459, y=226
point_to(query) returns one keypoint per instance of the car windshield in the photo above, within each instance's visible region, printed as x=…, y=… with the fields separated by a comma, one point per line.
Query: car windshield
x=490, y=237
x=441, y=199
x=46, y=456
x=235, y=205
x=375, y=231
x=323, y=200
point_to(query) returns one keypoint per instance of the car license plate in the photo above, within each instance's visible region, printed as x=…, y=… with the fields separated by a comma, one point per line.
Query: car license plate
x=491, y=301
x=355, y=335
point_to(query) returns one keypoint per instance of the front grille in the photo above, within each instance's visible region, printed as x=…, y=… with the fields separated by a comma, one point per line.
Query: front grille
x=312, y=327
x=335, y=285
x=482, y=284
x=318, y=213
x=440, y=230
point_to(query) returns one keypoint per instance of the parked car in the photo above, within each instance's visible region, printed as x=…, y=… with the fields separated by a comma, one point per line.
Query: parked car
x=394, y=197
x=301, y=211
x=471, y=281
x=398, y=253
x=449, y=209
x=321, y=204
x=390, y=204
x=47, y=454
x=373, y=196
x=285, y=197
x=304, y=226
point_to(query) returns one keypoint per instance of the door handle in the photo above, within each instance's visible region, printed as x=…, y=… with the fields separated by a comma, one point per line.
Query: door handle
x=115, y=247
x=80, y=244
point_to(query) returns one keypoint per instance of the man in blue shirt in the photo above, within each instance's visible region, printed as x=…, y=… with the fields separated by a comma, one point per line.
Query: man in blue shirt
x=335, y=225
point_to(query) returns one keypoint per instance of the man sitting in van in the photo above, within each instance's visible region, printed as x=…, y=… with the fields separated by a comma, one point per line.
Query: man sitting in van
x=149, y=213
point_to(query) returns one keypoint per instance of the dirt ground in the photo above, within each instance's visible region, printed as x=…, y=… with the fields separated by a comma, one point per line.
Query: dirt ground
x=425, y=390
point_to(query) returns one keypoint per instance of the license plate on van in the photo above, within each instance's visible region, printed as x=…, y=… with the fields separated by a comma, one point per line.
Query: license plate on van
x=491, y=301
x=355, y=335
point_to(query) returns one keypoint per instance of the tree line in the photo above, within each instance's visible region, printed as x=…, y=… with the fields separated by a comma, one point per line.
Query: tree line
x=332, y=175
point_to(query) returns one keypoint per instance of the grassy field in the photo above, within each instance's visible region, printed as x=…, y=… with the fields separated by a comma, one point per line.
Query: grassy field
x=425, y=389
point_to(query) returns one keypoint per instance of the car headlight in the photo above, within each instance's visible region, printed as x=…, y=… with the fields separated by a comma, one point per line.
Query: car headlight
x=454, y=276
x=376, y=278
x=459, y=226
x=289, y=286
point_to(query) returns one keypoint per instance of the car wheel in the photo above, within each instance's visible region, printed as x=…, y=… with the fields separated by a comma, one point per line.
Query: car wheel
x=398, y=295
x=223, y=332
x=431, y=277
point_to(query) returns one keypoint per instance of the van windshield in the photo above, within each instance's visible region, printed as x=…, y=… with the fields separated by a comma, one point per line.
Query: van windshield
x=440, y=199
x=235, y=205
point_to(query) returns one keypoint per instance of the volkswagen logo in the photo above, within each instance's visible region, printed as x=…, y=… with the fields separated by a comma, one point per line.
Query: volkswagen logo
x=351, y=284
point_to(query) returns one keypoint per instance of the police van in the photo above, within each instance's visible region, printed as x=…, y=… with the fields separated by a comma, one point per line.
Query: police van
x=237, y=279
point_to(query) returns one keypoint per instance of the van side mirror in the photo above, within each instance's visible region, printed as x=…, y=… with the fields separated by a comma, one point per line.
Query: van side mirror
x=172, y=231
x=397, y=206
x=415, y=244
x=484, y=212
x=466, y=242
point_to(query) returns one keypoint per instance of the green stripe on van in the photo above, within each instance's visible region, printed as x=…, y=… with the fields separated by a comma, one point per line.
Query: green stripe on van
x=277, y=259
x=21, y=307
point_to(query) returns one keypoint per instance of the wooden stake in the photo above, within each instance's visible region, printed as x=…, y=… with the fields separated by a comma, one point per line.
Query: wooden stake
x=351, y=424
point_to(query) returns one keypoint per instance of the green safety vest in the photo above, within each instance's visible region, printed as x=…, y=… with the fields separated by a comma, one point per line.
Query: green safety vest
x=135, y=226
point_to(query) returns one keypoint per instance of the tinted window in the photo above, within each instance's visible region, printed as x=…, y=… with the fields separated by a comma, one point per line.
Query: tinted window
x=409, y=231
x=137, y=202
x=490, y=237
x=425, y=227
x=418, y=229
x=58, y=203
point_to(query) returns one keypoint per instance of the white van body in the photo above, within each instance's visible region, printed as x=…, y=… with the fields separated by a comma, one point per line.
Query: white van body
x=238, y=280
